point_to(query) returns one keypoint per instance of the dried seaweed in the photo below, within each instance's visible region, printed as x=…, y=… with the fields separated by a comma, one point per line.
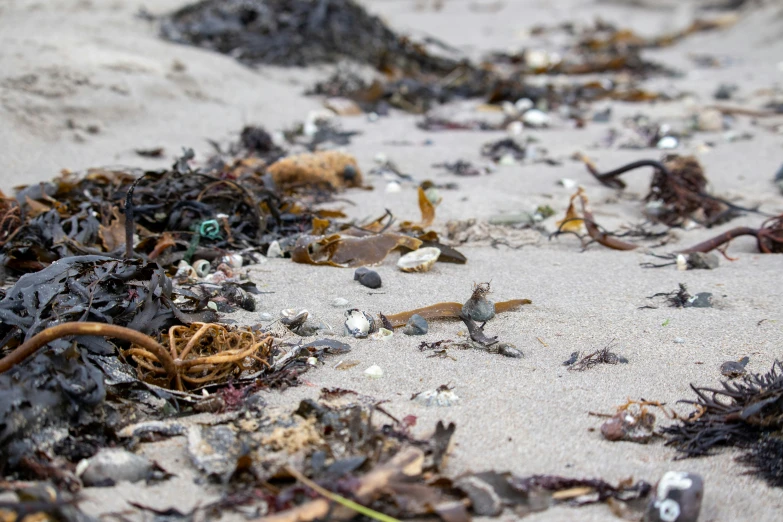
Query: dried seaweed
x=739, y=413
x=602, y=356
x=449, y=310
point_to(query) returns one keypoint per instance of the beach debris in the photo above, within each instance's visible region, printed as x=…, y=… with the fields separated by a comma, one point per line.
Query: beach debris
x=349, y=251
x=448, y=310
x=442, y=396
x=112, y=465
x=725, y=91
x=535, y=118
x=340, y=302
x=602, y=356
x=383, y=334
x=367, y=277
x=40, y=501
x=709, y=120
x=506, y=151
x=740, y=413
x=129, y=293
x=478, y=307
x=358, y=324
x=705, y=261
x=677, y=191
x=420, y=260
x=155, y=152
x=416, y=325
x=636, y=425
x=482, y=233
x=769, y=237
x=676, y=498
x=374, y=372
x=680, y=298
x=734, y=369
x=347, y=365
x=778, y=179
x=462, y=168
x=333, y=170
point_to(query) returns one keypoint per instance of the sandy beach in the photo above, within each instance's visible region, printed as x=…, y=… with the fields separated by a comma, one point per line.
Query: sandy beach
x=85, y=83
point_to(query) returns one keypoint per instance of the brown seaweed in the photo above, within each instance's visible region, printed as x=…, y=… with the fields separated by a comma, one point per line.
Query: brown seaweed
x=449, y=310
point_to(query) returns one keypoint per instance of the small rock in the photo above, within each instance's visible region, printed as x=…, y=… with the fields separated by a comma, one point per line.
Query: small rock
x=535, y=118
x=339, y=302
x=567, y=183
x=700, y=300
x=603, y=116
x=523, y=104
x=265, y=316
x=374, y=372
x=708, y=261
x=393, y=187
x=709, y=120
x=112, y=465
x=679, y=340
x=734, y=369
x=274, y=250
x=480, y=310
x=416, y=325
x=367, y=277
x=484, y=500
x=515, y=128
x=725, y=91
x=518, y=218
x=508, y=350
x=676, y=498
x=668, y=142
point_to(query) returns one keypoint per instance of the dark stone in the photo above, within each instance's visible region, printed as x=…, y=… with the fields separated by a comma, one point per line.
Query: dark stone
x=708, y=261
x=700, y=300
x=367, y=277
x=416, y=325
x=676, y=498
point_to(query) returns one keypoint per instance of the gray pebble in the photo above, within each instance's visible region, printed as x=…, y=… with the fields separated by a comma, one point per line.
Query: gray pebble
x=112, y=465
x=708, y=261
x=264, y=316
x=700, y=300
x=416, y=325
x=679, y=340
x=480, y=310
x=339, y=302
x=367, y=277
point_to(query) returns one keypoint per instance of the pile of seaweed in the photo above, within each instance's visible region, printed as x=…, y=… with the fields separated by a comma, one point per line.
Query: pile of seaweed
x=746, y=413
x=416, y=75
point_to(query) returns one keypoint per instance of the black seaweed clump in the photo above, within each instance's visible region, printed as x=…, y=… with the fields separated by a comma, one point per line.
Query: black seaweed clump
x=746, y=413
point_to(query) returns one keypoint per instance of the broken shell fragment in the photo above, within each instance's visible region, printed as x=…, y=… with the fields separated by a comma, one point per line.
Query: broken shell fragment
x=185, y=270
x=420, y=260
x=202, y=268
x=233, y=260
x=383, y=334
x=677, y=498
x=374, y=372
x=441, y=396
x=358, y=323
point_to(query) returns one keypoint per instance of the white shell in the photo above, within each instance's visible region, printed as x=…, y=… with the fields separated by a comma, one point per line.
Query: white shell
x=382, y=334
x=232, y=260
x=290, y=313
x=535, y=118
x=523, y=104
x=357, y=323
x=216, y=278
x=374, y=372
x=201, y=266
x=420, y=260
x=185, y=270
x=274, y=250
x=340, y=302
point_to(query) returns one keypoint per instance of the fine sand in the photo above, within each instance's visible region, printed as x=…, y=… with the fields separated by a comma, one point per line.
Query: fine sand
x=85, y=83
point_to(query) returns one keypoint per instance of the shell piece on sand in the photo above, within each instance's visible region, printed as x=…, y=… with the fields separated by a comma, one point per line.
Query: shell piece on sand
x=420, y=260
x=333, y=169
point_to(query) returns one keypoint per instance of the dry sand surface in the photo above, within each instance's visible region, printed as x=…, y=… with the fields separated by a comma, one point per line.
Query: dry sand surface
x=85, y=83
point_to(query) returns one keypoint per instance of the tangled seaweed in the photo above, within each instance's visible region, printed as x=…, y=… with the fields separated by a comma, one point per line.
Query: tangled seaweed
x=740, y=414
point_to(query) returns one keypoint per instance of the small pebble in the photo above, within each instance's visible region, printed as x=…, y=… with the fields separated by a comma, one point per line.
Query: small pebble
x=480, y=310
x=112, y=465
x=416, y=325
x=535, y=118
x=374, y=372
x=265, y=316
x=274, y=250
x=679, y=340
x=710, y=120
x=339, y=302
x=668, y=142
x=725, y=91
x=367, y=277
x=708, y=261
x=700, y=300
